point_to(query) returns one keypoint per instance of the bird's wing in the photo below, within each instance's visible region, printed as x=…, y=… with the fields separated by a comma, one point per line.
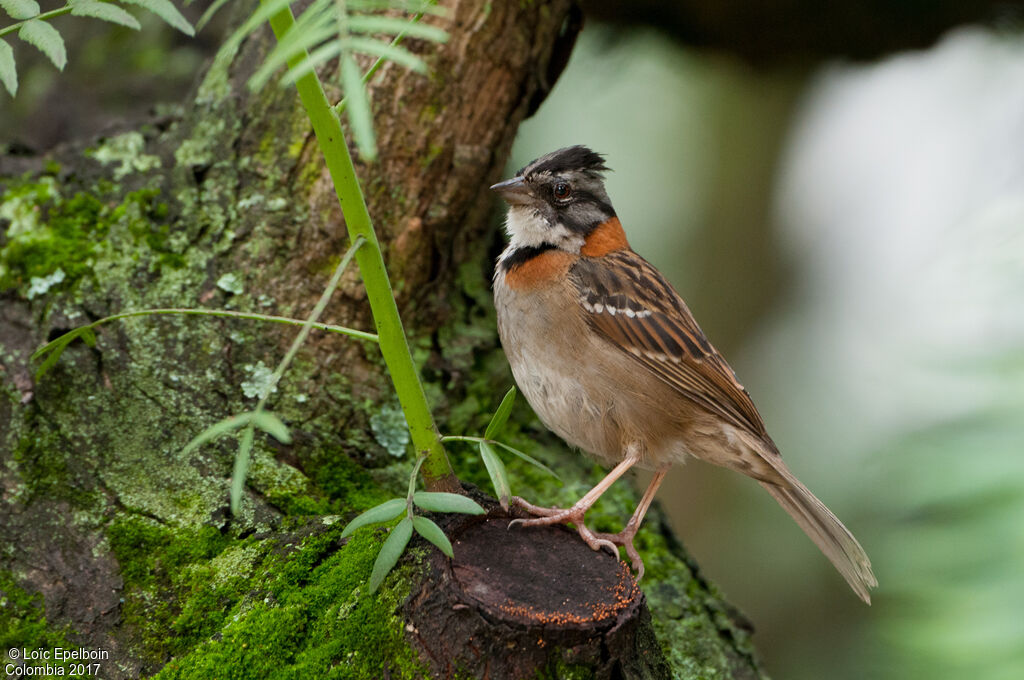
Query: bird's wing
x=630, y=304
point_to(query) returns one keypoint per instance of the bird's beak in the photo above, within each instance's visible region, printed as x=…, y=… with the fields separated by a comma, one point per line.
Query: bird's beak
x=514, y=191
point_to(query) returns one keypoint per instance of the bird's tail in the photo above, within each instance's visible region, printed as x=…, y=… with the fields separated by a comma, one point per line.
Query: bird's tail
x=827, y=532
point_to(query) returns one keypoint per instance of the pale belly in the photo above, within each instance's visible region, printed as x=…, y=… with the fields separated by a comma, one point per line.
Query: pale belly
x=577, y=394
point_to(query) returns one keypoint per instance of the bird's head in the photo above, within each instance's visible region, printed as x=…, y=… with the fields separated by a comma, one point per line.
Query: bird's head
x=557, y=200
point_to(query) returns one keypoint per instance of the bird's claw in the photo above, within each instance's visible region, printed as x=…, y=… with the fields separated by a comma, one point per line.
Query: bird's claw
x=625, y=539
x=573, y=515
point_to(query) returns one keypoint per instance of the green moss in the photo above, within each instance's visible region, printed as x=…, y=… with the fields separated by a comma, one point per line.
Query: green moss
x=145, y=217
x=41, y=463
x=285, y=607
x=52, y=240
x=48, y=233
x=23, y=620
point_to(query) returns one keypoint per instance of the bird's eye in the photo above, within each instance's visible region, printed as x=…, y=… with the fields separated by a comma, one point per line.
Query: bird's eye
x=562, y=191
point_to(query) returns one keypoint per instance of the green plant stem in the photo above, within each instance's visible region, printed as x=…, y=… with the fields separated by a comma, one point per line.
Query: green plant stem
x=242, y=458
x=308, y=324
x=437, y=471
x=41, y=17
x=363, y=335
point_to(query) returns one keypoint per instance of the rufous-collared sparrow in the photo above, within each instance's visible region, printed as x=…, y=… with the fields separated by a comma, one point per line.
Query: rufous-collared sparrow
x=611, y=359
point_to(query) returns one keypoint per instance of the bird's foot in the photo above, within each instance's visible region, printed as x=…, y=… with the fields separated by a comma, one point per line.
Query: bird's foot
x=574, y=515
x=625, y=539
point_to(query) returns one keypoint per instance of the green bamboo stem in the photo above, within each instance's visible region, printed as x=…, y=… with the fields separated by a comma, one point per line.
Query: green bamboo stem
x=437, y=471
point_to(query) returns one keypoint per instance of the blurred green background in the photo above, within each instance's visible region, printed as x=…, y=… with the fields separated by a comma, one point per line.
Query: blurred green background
x=852, y=239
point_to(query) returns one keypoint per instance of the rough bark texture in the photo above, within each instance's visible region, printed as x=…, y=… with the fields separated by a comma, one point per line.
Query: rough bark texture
x=115, y=539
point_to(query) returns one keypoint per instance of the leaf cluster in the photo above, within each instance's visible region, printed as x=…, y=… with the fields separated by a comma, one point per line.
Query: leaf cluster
x=391, y=509
x=33, y=27
x=339, y=29
x=398, y=538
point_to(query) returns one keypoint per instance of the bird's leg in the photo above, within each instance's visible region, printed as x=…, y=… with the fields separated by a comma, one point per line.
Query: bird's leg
x=575, y=514
x=625, y=537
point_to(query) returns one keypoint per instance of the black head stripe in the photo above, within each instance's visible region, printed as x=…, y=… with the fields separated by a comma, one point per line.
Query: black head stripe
x=521, y=256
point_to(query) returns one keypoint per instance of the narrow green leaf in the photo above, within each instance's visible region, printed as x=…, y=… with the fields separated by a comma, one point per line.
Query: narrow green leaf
x=46, y=39
x=259, y=16
x=439, y=501
x=55, y=348
x=430, y=531
x=311, y=61
x=105, y=11
x=315, y=25
x=529, y=459
x=272, y=425
x=58, y=343
x=292, y=45
x=88, y=336
x=359, y=115
x=392, y=549
x=208, y=14
x=242, y=459
x=374, y=23
x=389, y=51
x=408, y=7
x=218, y=429
x=496, y=471
x=51, y=359
x=166, y=11
x=20, y=9
x=501, y=415
x=388, y=510
x=8, y=72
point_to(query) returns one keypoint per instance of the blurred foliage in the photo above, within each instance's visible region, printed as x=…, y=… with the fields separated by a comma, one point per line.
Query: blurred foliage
x=953, y=550
x=882, y=291
x=114, y=75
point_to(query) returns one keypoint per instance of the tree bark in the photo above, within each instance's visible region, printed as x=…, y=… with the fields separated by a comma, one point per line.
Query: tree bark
x=116, y=540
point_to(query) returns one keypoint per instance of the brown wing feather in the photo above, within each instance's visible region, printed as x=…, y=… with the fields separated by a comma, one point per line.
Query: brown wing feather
x=628, y=302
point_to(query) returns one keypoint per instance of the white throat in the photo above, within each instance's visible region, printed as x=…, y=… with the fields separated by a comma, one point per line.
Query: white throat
x=528, y=228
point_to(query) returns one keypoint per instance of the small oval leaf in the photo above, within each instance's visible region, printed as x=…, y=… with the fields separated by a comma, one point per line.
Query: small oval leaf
x=392, y=549
x=439, y=501
x=166, y=11
x=46, y=39
x=8, y=72
x=501, y=415
x=430, y=531
x=104, y=11
x=496, y=471
x=20, y=9
x=272, y=425
x=386, y=511
x=217, y=429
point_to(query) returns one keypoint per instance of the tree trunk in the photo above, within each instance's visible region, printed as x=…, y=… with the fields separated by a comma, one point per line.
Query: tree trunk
x=117, y=542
